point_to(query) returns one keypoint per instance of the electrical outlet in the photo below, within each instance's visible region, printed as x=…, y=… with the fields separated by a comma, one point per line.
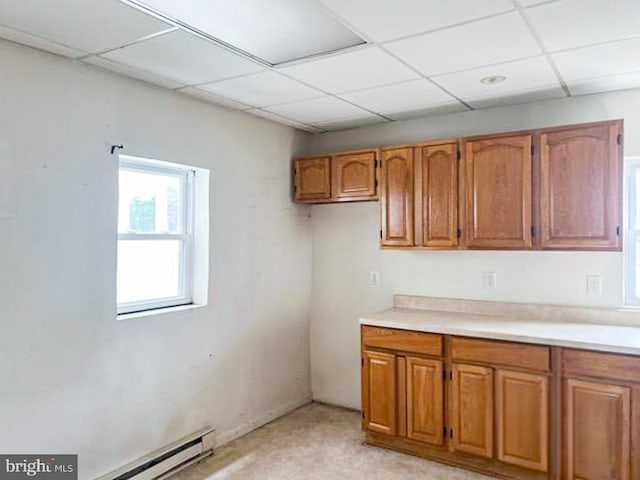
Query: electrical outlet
x=374, y=278
x=594, y=285
x=489, y=280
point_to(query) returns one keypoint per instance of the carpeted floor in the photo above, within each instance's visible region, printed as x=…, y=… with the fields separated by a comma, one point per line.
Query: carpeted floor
x=315, y=442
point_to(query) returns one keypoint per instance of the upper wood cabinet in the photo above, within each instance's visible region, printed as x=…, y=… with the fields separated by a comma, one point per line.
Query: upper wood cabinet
x=597, y=431
x=313, y=178
x=396, y=197
x=341, y=177
x=379, y=392
x=580, y=174
x=436, y=195
x=354, y=175
x=498, y=189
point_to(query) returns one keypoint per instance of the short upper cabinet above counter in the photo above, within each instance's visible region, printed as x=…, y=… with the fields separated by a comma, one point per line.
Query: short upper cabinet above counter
x=341, y=177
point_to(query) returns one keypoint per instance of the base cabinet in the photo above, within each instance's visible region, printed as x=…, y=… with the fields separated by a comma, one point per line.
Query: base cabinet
x=379, y=392
x=425, y=400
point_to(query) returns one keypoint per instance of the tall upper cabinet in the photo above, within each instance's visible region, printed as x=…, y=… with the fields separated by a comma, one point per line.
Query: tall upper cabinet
x=396, y=198
x=580, y=192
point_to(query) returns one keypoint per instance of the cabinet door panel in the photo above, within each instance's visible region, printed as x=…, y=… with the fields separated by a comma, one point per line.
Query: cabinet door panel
x=425, y=412
x=498, y=186
x=472, y=409
x=522, y=411
x=312, y=178
x=380, y=404
x=597, y=431
x=580, y=188
x=437, y=196
x=354, y=175
x=396, y=196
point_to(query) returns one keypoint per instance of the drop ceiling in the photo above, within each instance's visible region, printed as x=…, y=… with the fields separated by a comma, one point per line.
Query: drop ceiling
x=321, y=65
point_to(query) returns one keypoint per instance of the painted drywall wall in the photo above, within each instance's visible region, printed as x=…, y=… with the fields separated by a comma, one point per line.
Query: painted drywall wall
x=76, y=380
x=345, y=243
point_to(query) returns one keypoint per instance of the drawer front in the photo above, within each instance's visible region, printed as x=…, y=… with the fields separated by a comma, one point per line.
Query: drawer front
x=597, y=364
x=402, y=340
x=521, y=355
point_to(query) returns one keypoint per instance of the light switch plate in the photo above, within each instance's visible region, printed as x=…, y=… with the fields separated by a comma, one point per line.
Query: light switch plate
x=489, y=280
x=374, y=278
x=594, y=285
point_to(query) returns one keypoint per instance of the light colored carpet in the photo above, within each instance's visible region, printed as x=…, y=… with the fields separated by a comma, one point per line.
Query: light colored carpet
x=315, y=442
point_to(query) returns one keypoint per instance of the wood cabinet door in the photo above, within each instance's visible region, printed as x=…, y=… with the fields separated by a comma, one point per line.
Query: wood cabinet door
x=312, y=177
x=522, y=419
x=354, y=175
x=425, y=397
x=597, y=431
x=498, y=190
x=379, y=392
x=396, y=197
x=580, y=193
x=472, y=409
x=436, y=196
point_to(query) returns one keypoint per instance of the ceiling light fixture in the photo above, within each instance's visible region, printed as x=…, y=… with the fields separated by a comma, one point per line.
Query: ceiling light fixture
x=493, y=79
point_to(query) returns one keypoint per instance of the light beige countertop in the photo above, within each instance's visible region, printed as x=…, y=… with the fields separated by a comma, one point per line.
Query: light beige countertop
x=606, y=336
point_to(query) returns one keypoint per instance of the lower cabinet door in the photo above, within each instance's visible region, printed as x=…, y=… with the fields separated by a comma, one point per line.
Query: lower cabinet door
x=379, y=392
x=472, y=409
x=522, y=419
x=597, y=431
x=425, y=398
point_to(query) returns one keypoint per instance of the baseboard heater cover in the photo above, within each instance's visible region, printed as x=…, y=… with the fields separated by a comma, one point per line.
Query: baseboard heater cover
x=167, y=460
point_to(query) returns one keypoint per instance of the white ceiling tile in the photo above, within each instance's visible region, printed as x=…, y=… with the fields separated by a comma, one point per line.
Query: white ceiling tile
x=575, y=23
x=283, y=120
x=428, y=112
x=384, y=20
x=485, y=42
x=364, y=68
x=521, y=76
x=212, y=97
x=535, y=95
x=320, y=110
x=88, y=25
x=351, y=123
x=185, y=58
x=406, y=96
x=599, y=61
x=39, y=42
x=263, y=89
x=132, y=72
x=532, y=3
x=605, y=84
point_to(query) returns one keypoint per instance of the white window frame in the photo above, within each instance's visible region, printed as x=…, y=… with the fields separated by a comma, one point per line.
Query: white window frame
x=187, y=177
x=632, y=232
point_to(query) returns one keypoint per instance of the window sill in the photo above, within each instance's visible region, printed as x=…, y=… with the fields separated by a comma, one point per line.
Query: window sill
x=158, y=311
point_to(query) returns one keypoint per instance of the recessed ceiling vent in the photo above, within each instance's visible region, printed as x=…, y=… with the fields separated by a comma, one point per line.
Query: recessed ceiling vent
x=273, y=31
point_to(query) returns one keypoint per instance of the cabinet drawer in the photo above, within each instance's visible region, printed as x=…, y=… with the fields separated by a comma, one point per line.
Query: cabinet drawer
x=597, y=364
x=520, y=355
x=402, y=340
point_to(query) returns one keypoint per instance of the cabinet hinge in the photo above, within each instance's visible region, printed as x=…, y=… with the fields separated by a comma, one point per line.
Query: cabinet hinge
x=451, y=433
x=458, y=154
x=380, y=234
x=444, y=375
x=533, y=149
x=533, y=231
x=451, y=375
x=362, y=413
x=618, y=230
x=458, y=233
x=444, y=431
x=376, y=183
x=619, y=139
x=362, y=362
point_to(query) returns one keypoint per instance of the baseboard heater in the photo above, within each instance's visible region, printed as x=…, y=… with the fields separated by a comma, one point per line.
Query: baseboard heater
x=167, y=460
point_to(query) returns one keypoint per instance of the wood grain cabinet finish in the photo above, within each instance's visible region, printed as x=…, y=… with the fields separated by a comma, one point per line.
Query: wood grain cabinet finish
x=580, y=177
x=396, y=197
x=498, y=187
x=522, y=419
x=354, y=175
x=597, y=431
x=436, y=196
x=379, y=392
x=313, y=178
x=472, y=409
x=425, y=400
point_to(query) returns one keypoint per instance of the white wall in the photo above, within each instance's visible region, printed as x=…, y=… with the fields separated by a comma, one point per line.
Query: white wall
x=345, y=243
x=74, y=379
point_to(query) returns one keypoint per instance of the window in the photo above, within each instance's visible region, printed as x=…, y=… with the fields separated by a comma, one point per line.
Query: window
x=155, y=235
x=632, y=232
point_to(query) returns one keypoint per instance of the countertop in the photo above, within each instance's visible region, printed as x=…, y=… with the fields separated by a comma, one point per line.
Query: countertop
x=590, y=336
